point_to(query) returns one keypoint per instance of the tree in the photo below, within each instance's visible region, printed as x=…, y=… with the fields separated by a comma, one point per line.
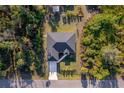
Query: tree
x=103, y=43
x=26, y=26
x=111, y=59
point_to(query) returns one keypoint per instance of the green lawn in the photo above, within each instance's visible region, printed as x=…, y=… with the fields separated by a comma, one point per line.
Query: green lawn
x=66, y=28
x=68, y=70
x=74, y=77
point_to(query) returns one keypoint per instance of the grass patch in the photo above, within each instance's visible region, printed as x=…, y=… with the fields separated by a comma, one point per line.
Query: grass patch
x=75, y=77
x=67, y=71
x=66, y=28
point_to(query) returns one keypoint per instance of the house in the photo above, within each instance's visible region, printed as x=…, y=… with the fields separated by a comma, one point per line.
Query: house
x=56, y=9
x=60, y=43
x=93, y=8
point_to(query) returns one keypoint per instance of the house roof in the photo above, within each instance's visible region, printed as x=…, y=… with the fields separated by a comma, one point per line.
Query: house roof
x=58, y=42
x=60, y=47
x=61, y=36
x=55, y=8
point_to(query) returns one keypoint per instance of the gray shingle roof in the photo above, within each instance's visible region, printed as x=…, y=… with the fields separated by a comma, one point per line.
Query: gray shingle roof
x=60, y=47
x=61, y=36
x=58, y=42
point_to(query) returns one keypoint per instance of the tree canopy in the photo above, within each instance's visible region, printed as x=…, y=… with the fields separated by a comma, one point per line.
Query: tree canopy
x=21, y=28
x=102, y=43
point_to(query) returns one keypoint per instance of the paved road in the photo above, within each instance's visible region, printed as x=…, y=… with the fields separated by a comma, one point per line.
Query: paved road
x=62, y=84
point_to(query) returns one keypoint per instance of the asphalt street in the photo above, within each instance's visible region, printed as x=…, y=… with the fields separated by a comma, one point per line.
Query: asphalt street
x=62, y=84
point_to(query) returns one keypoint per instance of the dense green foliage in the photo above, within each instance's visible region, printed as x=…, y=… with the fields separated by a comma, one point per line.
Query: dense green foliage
x=24, y=45
x=21, y=40
x=103, y=43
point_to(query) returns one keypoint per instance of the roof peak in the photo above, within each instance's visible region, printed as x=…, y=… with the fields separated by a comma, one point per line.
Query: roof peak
x=61, y=36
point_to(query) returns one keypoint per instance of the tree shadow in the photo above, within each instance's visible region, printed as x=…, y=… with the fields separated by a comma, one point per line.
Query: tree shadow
x=25, y=74
x=54, y=21
x=7, y=83
x=26, y=83
x=48, y=83
x=84, y=81
x=11, y=81
x=108, y=82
